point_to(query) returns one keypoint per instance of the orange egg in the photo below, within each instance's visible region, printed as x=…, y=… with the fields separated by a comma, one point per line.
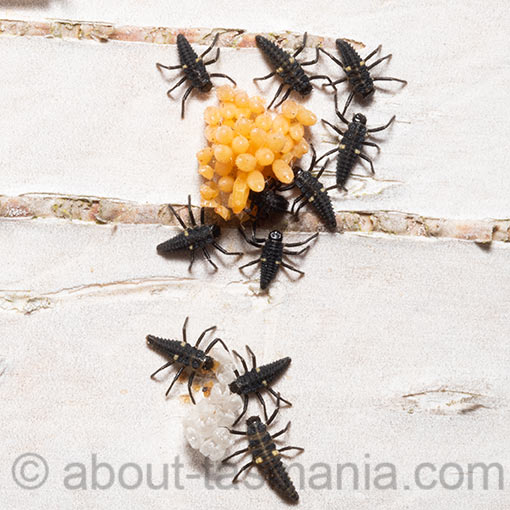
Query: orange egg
x=205, y=155
x=283, y=171
x=212, y=115
x=223, y=153
x=225, y=93
x=246, y=162
x=206, y=171
x=264, y=156
x=256, y=181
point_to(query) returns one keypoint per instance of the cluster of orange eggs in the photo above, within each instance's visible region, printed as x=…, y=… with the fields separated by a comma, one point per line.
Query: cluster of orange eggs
x=247, y=145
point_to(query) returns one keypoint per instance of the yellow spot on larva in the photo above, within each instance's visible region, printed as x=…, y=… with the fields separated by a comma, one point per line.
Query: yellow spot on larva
x=263, y=260
x=342, y=147
x=176, y=357
x=348, y=68
x=275, y=453
x=311, y=199
x=259, y=460
x=186, y=233
x=185, y=66
x=357, y=151
x=279, y=70
x=264, y=382
x=257, y=370
x=362, y=63
x=183, y=344
x=191, y=247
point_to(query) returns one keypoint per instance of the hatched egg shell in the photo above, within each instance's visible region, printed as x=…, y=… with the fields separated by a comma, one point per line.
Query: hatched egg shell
x=193, y=437
x=222, y=437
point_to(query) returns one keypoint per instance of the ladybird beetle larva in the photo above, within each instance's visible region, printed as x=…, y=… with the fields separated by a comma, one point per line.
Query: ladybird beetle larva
x=185, y=355
x=265, y=455
x=194, y=68
x=256, y=380
x=273, y=250
x=356, y=70
x=288, y=69
x=194, y=237
x=351, y=144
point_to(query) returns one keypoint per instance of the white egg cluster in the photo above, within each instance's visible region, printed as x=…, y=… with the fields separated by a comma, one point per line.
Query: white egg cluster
x=205, y=425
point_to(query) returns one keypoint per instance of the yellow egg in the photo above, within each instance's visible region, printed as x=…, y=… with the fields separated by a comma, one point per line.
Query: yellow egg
x=205, y=155
x=210, y=133
x=246, y=162
x=226, y=183
x=240, y=144
x=283, y=172
x=228, y=111
x=224, y=135
x=281, y=124
x=257, y=137
x=290, y=109
x=209, y=190
x=296, y=131
x=212, y=115
x=264, y=156
x=306, y=117
x=301, y=148
x=256, y=104
x=287, y=157
x=209, y=203
x=256, y=181
x=222, y=211
x=264, y=121
x=225, y=93
x=243, y=112
x=240, y=191
x=288, y=145
x=275, y=141
x=241, y=99
x=223, y=169
x=223, y=153
x=206, y=171
x=243, y=126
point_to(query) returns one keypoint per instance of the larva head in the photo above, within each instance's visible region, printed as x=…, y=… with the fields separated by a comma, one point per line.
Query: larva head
x=299, y=175
x=254, y=424
x=360, y=118
x=261, y=41
x=215, y=230
x=234, y=387
x=207, y=364
x=275, y=235
x=204, y=81
x=303, y=86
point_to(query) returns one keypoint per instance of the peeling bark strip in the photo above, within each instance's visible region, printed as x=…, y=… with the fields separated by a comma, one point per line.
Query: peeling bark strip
x=444, y=401
x=108, y=210
x=26, y=302
x=103, y=32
